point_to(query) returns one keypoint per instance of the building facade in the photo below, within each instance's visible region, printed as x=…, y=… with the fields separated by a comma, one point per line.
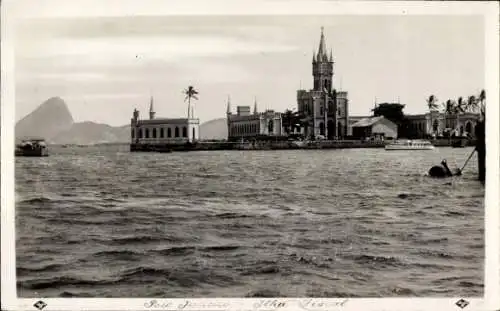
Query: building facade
x=248, y=125
x=163, y=131
x=439, y=124
x=326, y=110
x=378, y=128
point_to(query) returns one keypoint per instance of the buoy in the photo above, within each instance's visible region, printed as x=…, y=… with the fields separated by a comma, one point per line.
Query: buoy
x=440, y=171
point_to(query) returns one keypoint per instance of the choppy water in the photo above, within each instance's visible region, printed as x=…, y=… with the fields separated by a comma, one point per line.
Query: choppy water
x=102, y=222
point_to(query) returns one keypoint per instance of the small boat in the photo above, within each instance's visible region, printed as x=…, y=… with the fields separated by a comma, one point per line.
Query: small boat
x=35, y=147
x=409, y=145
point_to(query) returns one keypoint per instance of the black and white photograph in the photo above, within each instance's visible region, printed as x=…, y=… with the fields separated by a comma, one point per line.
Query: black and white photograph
x=249, y=155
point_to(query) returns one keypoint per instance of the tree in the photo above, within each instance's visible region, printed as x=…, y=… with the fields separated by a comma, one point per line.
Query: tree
x=190, y=92
x=458, y=109
x=288, y=121
x=431, y=104
x=471, y=104
x=391, y=111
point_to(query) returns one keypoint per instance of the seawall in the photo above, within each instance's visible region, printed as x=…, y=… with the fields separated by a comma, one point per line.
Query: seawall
x=261, y=145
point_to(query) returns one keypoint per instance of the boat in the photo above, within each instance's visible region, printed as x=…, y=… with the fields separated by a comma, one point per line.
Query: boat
x=409, y=145
x=34, y=147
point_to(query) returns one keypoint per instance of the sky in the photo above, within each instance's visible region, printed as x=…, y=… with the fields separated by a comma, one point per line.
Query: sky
x=105, y=66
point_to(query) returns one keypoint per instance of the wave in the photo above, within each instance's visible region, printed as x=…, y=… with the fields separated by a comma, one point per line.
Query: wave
x=20, y=271
x=35, y=200
x=374, y=259
x=57, y=282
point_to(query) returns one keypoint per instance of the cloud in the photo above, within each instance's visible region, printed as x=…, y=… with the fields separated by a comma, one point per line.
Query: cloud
x=166, y=48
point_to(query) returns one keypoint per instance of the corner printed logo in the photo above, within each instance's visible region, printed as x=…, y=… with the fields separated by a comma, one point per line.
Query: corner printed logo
x=40, y=305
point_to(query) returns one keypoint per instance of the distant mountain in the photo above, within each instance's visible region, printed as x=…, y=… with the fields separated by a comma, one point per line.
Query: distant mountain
x=48, y=120
x=214, y=129
x=87, y=133
x=53, y=121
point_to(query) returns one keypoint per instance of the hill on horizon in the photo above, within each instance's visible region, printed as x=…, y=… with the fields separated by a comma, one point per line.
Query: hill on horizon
x=53, y=121
x=47, y=120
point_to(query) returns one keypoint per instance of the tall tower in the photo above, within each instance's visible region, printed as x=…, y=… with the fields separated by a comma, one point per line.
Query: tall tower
x=151, y=109
x=322, y=66
x=255, y=106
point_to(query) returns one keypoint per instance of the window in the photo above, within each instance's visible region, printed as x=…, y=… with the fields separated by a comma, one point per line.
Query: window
x=140, y=133
x=270, y=126
x=147, y=133
x=176, y=131
x=184, y=132
x=162, y=132
x=132, y=133
x=194, y=133
x=169, y=132
x=154, y=133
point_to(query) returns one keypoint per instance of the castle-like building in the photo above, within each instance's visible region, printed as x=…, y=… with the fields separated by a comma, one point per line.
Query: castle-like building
x=163, y=131
x=326, y=110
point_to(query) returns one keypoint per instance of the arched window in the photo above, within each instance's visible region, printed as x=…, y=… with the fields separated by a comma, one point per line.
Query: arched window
x=169, y=132
x=339, y=128
x=435, y=126
x=162, y=132
x=147, y=133
x=176, y=131
x=468, y=127
x=140, y=133
x=154, y=132
x=132, y=133
x=321, y=128
x=194, y=134
x=270, y=126
x=184, y=132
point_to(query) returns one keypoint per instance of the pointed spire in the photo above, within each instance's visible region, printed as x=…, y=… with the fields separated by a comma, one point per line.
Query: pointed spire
x=331, y=56
x=314, y=56
x=151, y=109
x=255, y=106
x=228, y=111
x=322, y=49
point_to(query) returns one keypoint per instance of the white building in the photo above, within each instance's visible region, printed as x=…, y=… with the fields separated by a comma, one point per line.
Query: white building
x=163, y=131
x=375, y=127
x=247, y=125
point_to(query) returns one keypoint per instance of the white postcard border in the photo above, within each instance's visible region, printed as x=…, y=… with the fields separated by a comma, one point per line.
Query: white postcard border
x=23, y=8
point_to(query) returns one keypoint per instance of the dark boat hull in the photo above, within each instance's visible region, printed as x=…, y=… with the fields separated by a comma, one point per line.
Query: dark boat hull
x=39, y=152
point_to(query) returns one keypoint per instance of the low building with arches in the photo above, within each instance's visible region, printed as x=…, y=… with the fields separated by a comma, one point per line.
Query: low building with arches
x=163, y=131
x=245, y=125
x=439, y=124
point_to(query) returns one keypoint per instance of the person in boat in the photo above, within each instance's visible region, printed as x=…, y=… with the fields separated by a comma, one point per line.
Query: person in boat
x=443, y=170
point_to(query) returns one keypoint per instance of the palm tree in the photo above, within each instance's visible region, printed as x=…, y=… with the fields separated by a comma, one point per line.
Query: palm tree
x=431, y=104
x=458, y=109
x=448, y=108
x=190, y=92
x=471, y=104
